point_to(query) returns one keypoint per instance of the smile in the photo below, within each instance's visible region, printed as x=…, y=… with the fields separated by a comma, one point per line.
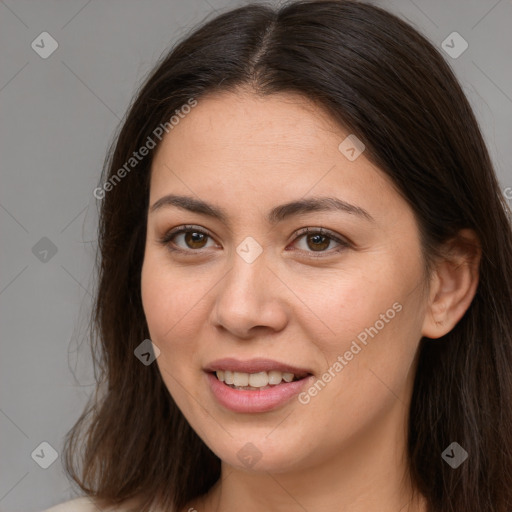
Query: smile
x=255, y=381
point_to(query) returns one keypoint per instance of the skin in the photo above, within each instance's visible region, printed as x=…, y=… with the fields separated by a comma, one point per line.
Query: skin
x=345, y=449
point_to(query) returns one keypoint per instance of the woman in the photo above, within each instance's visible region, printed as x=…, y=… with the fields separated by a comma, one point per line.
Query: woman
x=304, y=295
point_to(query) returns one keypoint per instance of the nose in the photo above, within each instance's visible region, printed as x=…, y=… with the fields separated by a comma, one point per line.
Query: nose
x=250, y=299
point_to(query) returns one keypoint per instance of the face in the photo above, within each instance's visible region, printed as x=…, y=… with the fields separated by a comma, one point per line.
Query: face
x=334, y=291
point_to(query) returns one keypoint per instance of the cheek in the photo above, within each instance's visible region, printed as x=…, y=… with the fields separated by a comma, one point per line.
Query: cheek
x=374, y=325
x=168, y=310
x=171, y=298
x=175, y=304
x=156, y=301
x=350, y=300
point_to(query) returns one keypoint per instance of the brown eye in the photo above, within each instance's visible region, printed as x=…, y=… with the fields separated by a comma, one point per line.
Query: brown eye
x=186, y=239
x=195, y=239
x=318, y=242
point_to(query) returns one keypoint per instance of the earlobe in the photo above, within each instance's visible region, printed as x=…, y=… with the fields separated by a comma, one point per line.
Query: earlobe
x=453, y=285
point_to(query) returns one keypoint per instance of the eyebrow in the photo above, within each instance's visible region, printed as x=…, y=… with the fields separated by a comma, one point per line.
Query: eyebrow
x=277, y=214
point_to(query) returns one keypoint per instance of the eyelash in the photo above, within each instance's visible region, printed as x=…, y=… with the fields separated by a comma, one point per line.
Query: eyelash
x=167, y=238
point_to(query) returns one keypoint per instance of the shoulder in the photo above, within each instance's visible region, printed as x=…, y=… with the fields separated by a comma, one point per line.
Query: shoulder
x=76, y=505
x=83, y=504
x=86, y=504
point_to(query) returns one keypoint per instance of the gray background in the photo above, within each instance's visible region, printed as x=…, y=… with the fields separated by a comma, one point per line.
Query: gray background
x=58, y=116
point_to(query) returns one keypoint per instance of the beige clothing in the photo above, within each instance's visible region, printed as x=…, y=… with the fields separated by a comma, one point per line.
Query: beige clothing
x=85, y=504
x=80, y=505
x=76, y=505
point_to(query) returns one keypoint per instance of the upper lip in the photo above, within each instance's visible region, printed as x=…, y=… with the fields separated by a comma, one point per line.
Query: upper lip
x=254, y=366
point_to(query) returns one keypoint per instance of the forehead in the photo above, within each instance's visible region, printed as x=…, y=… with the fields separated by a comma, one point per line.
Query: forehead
x=241, y=123
x=255, y=152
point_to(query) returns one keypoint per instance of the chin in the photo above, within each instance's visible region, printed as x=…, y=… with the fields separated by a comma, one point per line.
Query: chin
x=257, y=453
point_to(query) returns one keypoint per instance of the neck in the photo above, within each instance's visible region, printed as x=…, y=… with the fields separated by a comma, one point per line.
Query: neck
x=366, y=474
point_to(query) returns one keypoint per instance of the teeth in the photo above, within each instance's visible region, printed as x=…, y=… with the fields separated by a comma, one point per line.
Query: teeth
x=274, y=377
x=258, y=380
x=241, y=379
x=254, y=380
x=288, y=377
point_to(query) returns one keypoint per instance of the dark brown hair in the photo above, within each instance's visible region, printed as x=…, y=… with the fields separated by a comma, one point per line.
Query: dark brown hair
x=383, y=81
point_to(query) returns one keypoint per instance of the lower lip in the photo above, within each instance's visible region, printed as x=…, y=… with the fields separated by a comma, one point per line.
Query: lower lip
x=241, y=400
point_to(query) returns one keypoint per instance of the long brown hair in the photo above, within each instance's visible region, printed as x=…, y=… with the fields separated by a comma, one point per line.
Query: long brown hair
x=383, y=81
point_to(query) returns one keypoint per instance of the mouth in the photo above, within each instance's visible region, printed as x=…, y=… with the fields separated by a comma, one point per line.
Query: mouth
x=257, y=381
x=254, y=385
x=251, y=391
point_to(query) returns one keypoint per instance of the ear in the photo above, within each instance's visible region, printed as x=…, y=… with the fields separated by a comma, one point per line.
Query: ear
x=453, y=284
